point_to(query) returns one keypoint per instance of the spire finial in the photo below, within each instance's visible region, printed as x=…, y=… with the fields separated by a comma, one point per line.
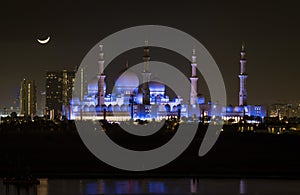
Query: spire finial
x=101, y=54
x=146, y=57
x=243, y=46
x=101, y=61
x=194, y=56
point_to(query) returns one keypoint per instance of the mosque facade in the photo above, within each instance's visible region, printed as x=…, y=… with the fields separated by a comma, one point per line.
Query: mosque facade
x=148, y=100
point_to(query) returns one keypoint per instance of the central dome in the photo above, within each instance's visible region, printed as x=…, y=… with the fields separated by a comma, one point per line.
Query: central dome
x=127, y=79
x=127, y=82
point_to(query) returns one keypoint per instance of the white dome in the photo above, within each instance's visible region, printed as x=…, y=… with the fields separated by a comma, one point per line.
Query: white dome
x=128, y=79
x=239, y=109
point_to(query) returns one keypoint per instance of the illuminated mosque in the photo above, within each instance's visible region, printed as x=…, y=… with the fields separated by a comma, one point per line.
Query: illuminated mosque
x=132, y=100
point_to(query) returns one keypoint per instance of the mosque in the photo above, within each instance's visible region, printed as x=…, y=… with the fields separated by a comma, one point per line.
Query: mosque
x=132, y=100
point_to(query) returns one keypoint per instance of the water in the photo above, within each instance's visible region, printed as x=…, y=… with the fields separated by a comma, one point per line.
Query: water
x=155, y=186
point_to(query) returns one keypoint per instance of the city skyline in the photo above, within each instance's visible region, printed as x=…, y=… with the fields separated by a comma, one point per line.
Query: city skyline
x=149, y=97
x=271, y=41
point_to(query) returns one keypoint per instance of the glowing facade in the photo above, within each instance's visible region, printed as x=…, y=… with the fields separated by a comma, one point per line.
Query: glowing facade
x=131, y=98
x=145, y=99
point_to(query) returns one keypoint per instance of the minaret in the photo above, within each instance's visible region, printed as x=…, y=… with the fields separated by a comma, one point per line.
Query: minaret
x=243, y=76
x=194, y=79
x=146, y=75
x=101, y=76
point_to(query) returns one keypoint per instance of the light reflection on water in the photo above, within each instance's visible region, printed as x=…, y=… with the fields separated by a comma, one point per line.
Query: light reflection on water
x=155, y=186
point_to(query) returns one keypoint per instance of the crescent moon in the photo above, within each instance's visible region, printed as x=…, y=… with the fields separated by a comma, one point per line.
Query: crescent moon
x=43, y=41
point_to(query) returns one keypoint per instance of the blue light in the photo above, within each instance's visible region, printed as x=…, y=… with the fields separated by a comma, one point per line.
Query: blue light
x=156, y=187
x=91, y=188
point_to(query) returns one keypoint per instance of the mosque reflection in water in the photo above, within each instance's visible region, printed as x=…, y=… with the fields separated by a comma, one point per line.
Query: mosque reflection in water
x=61, y=186
x=107, y=186
x=154, y=186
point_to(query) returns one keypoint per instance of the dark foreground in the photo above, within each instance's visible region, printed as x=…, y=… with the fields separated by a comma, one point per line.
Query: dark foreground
x=235, y=155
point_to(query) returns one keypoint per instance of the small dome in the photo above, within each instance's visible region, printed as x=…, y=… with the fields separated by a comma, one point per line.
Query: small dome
x=229, y=108
x=239, y=109
x=200, y=98
x=167, y=108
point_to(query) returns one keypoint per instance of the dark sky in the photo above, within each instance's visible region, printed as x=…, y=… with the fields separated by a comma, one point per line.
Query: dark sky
x=270, y=30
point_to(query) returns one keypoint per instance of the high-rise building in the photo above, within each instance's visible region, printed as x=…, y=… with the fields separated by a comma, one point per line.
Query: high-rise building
x=59, y=85
x=27, y=98
x=284, y=109
x=53, y=94
x=68, y=79
x=41, y=103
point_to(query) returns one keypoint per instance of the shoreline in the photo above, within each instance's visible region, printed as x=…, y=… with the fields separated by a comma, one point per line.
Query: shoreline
x=164, y=176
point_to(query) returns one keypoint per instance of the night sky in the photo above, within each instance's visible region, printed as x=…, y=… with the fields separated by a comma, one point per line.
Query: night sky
x=269, y=29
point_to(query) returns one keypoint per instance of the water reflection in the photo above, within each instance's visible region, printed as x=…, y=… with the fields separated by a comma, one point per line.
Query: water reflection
x=19, y=189
x=242, y=187
x=194, y=184
x=43, y=187
x=154, y=186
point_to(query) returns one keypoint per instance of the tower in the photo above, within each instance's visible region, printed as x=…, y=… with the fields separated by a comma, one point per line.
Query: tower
x=146, y=76
x=54, y=92
x=101, y=76
x=68, y=79
x=194, y=79
x=28, y=98
x=59, y=88
x=243, y=76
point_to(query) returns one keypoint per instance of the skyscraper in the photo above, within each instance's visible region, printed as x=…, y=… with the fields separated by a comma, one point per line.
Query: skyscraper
x=59, y=86
x=27, y=98
x=68, y=79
